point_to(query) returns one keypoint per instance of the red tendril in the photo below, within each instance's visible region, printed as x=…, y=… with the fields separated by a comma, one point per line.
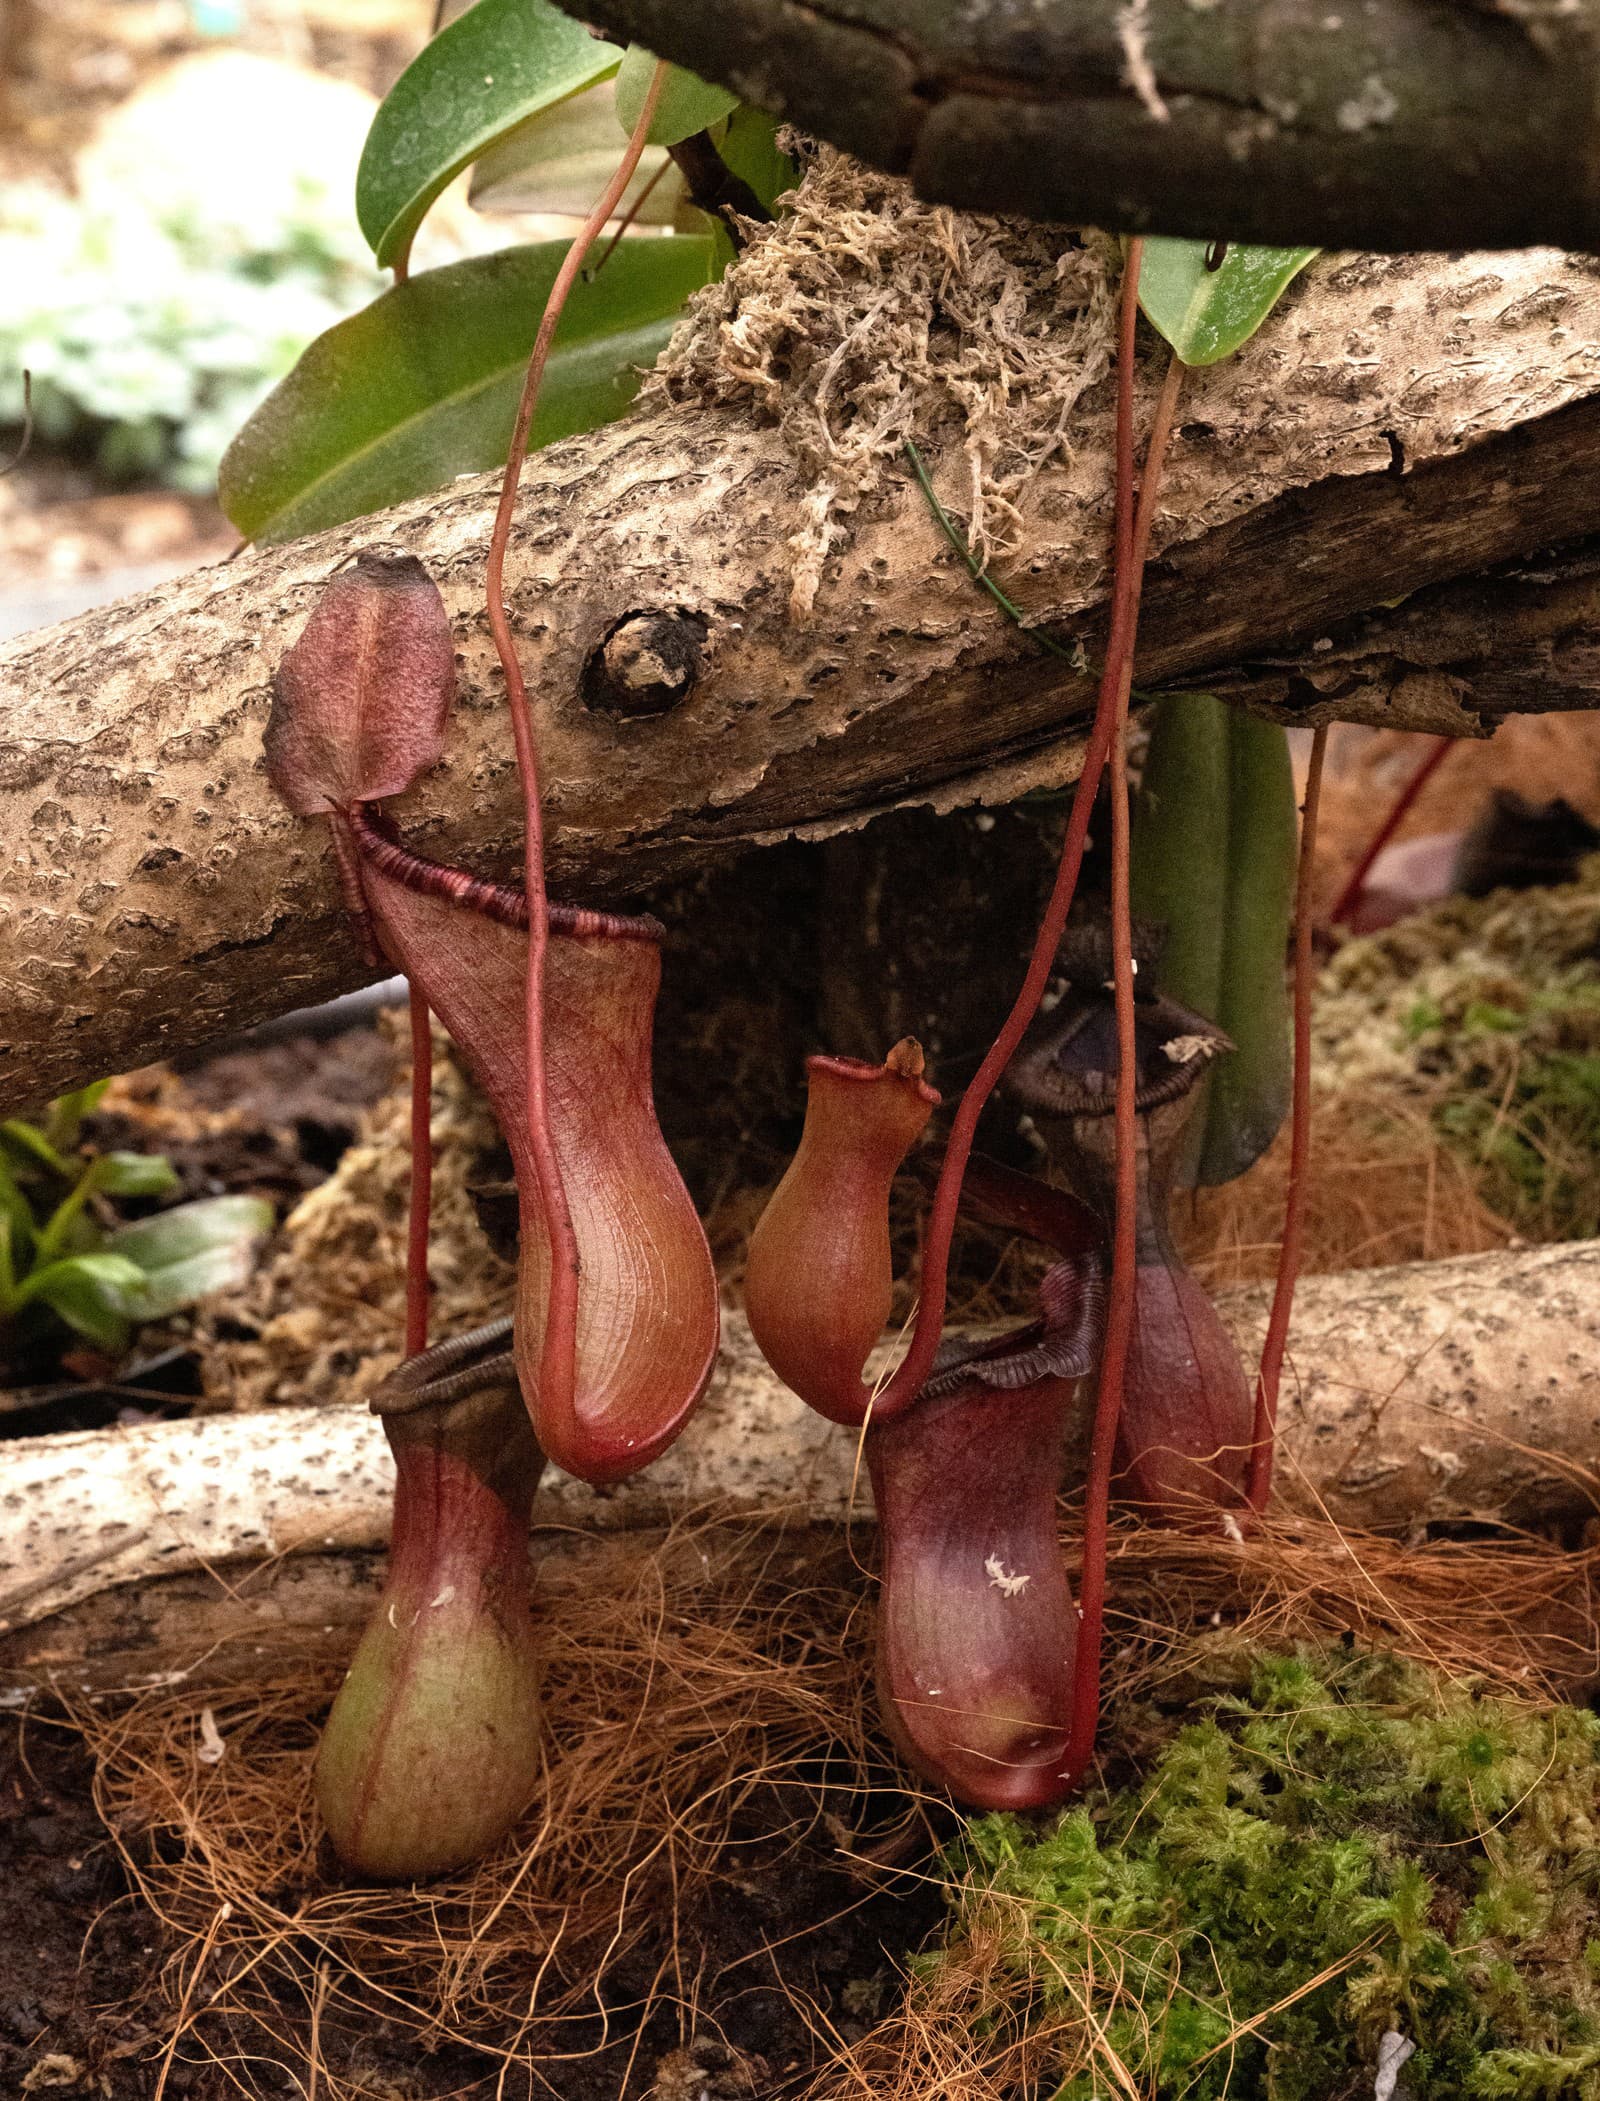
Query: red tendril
x=907, y=1382
x=1350, y=896
x=1120, y=1306
x=558, y=1365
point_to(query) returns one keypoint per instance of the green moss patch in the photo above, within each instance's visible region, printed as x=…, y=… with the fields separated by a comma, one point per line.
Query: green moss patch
x=1349, y=1847
x=1488, y=1012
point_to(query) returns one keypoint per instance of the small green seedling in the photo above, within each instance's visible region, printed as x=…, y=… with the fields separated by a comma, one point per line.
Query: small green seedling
x=58, y=1258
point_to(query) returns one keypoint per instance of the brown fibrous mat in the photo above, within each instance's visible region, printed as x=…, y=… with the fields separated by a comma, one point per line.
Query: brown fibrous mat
x=709, y=1718
x=1384, y=1187
x=322, y=1320
x=865, y=318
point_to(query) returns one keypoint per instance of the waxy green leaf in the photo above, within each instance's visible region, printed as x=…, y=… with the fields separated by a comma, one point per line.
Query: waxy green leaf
x=422, y=385
x=1213, y=855
x=688, y=104
x=1206, y=314
x=561, y=160
x=494, y=67
x=187, y=1253
x=749, y=144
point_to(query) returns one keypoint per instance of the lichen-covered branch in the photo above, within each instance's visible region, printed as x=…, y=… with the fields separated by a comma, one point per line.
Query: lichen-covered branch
x=154, y=894
x=1395, y=124
x=1439, y=1392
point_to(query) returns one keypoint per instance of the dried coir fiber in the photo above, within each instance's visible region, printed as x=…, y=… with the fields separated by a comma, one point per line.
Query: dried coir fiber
x=707, y=1731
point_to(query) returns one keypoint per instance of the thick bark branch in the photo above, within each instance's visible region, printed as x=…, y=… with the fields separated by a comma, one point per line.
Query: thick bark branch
x=1450, y=1392
x=154, y=895
x=1524, y=639
x=1396, y=124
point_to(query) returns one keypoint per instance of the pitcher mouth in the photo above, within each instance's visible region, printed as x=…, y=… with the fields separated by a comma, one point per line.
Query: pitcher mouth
x=1072, y=1069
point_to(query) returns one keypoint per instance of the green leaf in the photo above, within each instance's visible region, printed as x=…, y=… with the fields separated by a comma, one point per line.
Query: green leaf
x=750, y=147
x=67, y=1113
x=28, y=1139
x=562, y=159
x=90, y=1293
x=191, y=1251
x=422, y=385
x=493, y=68
x=688, y=104
x=132, y=1174
x=1206, y=314
x=108, y=1174
x=1214, y=856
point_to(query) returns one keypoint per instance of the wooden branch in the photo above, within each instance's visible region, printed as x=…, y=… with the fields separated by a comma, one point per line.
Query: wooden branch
x=1523, y=640
x=1395, y=124
x=1459, y=1391
x=154, y=895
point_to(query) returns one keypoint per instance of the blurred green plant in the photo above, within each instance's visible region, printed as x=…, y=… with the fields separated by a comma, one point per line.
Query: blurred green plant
x=153, y=324
x=1524, y=1099
x=59, y=1258
x=1485, y=1014
x=1349, y=1846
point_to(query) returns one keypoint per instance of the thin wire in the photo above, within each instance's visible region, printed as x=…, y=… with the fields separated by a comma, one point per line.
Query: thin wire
x=978, y=570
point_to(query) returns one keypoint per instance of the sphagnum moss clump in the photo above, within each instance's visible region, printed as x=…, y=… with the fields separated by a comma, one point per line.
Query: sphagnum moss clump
x=1350, y=1847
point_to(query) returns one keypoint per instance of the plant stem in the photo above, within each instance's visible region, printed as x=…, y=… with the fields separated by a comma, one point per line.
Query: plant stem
x=1294, y=1204
x=977, y=570
x=1350, y=896
x=626, y=222
x=1120, y=1305
x=421, y=1176
x=53, y=1237
x=558, y=1363
x=715, y=189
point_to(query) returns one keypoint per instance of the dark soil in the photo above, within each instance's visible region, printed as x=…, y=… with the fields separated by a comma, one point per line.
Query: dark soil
x=296, y=1105
x=74, y=1955
x=83, y=2009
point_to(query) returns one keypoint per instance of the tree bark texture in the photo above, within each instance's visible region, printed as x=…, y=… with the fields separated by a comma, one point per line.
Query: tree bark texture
x=1396, y=124
x=1524, y=639
x=1448, y=1392
x=154, y=894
